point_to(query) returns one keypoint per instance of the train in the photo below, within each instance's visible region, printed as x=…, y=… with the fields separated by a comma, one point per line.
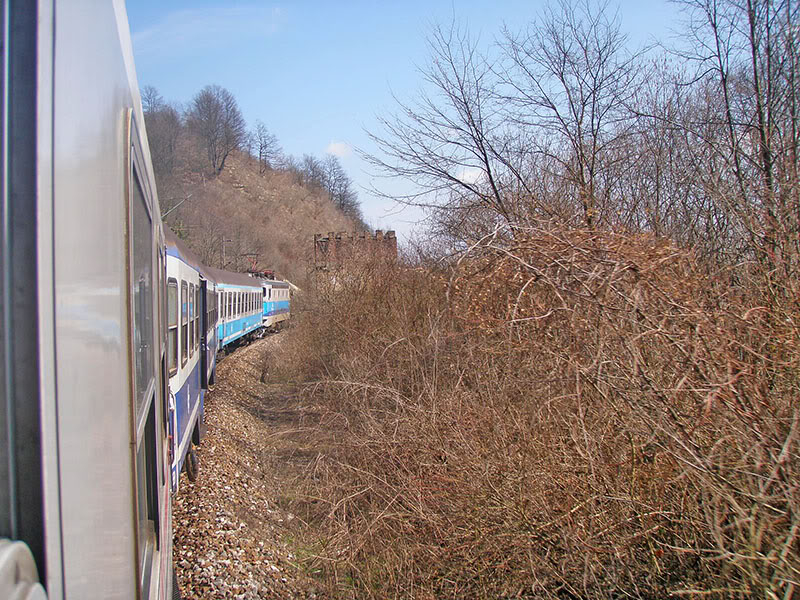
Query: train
x=111, y=328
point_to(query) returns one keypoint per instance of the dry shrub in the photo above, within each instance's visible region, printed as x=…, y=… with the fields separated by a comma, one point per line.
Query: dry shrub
x=572, y=414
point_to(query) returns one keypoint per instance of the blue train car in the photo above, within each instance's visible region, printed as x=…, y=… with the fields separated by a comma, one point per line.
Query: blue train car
x=191, y=357
x=240, y=308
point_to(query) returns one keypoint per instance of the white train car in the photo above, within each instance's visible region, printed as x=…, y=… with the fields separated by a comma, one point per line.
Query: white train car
x=191, y=353
x=276, y=297
x=84, y=466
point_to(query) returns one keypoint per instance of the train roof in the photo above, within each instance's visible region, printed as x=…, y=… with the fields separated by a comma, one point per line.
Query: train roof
x=176, y=247
x=231, y=278
x=276, y=283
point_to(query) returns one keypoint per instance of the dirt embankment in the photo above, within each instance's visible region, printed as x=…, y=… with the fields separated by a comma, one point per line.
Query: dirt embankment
x=231, y=538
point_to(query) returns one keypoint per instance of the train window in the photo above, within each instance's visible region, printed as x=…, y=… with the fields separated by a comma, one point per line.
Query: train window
x=211, y=299
x=142, y=246
x=191, y=319
x=142, y=298
x=146, y=492
x=184, y=317
x=198, y=308
x=172, y=325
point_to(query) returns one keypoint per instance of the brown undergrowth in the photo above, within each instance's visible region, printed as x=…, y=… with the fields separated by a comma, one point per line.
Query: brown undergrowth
x=565, y=414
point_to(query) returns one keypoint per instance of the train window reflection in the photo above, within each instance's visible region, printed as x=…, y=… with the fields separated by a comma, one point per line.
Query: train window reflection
x=191, y=319
x=172, y=325
x=142, y=247
x=184, y=328
x=196, y=325
x=146, y=496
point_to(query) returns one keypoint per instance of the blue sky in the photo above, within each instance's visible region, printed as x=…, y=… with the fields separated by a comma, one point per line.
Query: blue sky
x=318, y=74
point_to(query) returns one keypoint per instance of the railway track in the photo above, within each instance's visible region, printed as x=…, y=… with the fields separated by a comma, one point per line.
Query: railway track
x=229, y=524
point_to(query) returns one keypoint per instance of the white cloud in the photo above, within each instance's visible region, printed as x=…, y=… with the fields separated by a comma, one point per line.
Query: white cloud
x=470, y=175
x=187, y=29
x=340, y=149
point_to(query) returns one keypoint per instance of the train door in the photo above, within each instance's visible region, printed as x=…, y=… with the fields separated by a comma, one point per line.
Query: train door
x=203, y=333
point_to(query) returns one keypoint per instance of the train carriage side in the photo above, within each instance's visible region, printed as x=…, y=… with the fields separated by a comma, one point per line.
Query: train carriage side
x=84, y=480
x=188, y=363
x=239, y=298
x=275, y=302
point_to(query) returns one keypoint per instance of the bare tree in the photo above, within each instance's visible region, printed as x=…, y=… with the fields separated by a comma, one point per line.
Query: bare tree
x=312, y=171
x=745, y=53
x=267, y=147
x=451, y=143
x=525, y=135
x=151, y=99
x=568, y=79
x=163, y=125
x=340, y=188
x=214, y=117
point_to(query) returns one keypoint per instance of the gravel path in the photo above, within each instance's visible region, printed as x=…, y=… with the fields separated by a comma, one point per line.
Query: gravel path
x=229, y=530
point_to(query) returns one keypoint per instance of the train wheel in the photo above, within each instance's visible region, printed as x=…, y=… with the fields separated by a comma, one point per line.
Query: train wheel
x=192, y=464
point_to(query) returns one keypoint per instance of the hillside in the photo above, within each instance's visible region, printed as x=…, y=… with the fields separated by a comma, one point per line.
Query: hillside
x=232, y=194
x=269, y=218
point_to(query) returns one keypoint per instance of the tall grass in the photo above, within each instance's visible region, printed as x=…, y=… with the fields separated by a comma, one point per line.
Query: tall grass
x=572, y=415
